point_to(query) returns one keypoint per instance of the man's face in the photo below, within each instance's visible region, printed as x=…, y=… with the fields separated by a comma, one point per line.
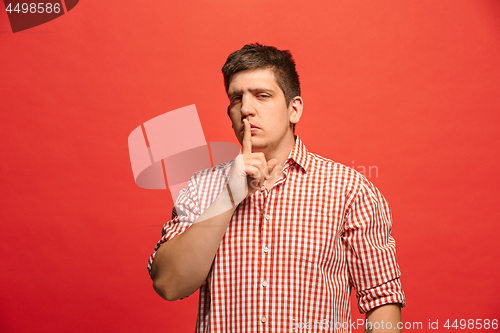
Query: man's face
x=254, y=94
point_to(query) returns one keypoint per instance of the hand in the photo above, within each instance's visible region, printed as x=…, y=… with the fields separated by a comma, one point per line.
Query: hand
x=251, y=170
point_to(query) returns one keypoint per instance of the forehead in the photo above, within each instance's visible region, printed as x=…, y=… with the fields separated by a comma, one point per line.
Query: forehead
x=253, y=79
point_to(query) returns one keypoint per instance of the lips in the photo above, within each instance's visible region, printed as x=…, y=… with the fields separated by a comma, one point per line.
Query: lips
x=252, y=127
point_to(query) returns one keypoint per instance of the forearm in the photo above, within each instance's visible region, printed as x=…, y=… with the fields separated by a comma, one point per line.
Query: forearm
x=182, y=264
x=384, y=318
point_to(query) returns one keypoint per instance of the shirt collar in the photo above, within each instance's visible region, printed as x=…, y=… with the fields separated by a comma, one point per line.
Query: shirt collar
x=299, y=154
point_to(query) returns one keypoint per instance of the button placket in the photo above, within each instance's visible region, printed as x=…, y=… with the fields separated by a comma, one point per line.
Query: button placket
x=265, y=256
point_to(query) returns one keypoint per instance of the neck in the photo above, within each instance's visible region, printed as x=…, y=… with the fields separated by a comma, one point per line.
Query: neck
x=281, y=151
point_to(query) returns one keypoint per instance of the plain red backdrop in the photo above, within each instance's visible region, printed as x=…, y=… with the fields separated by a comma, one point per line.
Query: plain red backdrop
x=411, y=87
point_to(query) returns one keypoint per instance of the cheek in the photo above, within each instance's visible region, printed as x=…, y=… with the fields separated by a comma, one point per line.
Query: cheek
x=235, y=115
x=235, y=124
x=285, y=117
x=237, y=129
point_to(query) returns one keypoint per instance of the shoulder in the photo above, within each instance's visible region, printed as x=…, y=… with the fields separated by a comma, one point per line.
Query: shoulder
x=352, y=182
x=218, y=172
x=204, y=186
x=327, y=166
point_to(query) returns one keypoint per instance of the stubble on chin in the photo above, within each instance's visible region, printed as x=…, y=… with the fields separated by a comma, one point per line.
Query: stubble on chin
x=258, y=145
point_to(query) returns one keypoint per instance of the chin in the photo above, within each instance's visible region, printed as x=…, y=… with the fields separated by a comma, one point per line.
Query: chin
x=259, y=145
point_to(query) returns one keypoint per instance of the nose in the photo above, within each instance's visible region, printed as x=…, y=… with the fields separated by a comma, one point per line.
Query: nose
x=247, y=108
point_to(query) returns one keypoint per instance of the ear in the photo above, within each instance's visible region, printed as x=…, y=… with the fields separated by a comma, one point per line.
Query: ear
x=295, y=109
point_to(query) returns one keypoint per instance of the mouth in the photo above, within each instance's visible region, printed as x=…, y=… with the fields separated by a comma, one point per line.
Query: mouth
x=252, y=127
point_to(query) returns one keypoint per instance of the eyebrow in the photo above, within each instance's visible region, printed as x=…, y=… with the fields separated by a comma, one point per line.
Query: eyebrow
x=238, y=92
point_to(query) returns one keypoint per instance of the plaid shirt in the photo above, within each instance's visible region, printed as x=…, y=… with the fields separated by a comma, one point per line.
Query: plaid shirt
x=291, y=254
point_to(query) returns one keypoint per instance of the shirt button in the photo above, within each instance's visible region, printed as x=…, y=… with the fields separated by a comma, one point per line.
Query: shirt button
x=268, y=216
x=263, y=319
x=264, y=284
x=266, y=249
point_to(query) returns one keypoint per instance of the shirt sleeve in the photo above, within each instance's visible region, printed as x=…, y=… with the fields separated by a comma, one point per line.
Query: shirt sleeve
x=371, y=250
x=186, y=210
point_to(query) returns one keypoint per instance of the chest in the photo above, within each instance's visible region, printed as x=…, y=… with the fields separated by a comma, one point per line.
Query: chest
x=301, y=222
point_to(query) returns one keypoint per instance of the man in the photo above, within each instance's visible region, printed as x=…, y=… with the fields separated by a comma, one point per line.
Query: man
x=276, y=238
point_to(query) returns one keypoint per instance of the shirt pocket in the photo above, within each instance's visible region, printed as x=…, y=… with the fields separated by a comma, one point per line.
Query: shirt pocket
x=311, y=239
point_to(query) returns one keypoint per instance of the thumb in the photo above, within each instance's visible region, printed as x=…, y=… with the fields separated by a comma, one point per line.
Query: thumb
x=271, y=164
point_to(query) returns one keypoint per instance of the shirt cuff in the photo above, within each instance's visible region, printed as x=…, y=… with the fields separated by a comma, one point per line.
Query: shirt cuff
x=387, y=293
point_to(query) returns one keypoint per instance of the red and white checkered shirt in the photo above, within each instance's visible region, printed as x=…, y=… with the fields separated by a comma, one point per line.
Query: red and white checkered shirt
x=291, y=254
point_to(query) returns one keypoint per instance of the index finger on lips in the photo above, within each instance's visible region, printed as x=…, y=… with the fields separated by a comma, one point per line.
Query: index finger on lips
x=247, y=138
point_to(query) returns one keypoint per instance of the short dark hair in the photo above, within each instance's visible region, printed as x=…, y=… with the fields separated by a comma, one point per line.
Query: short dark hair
x=252, y=56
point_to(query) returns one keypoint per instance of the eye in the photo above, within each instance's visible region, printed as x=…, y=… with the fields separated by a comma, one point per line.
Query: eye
x=263, y=96
x=235, y=99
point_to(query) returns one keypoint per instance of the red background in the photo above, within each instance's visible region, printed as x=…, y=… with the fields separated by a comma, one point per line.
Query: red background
x=411, y=87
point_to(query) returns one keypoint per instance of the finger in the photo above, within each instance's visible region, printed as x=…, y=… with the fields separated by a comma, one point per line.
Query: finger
x=258, y=160
x=253, y=180
x=256, y=171
x=247, y=138
x=254, y=184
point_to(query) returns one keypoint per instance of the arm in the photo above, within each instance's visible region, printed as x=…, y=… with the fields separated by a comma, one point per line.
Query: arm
x=371, y=251
x=387, y=316
x=182, y=263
